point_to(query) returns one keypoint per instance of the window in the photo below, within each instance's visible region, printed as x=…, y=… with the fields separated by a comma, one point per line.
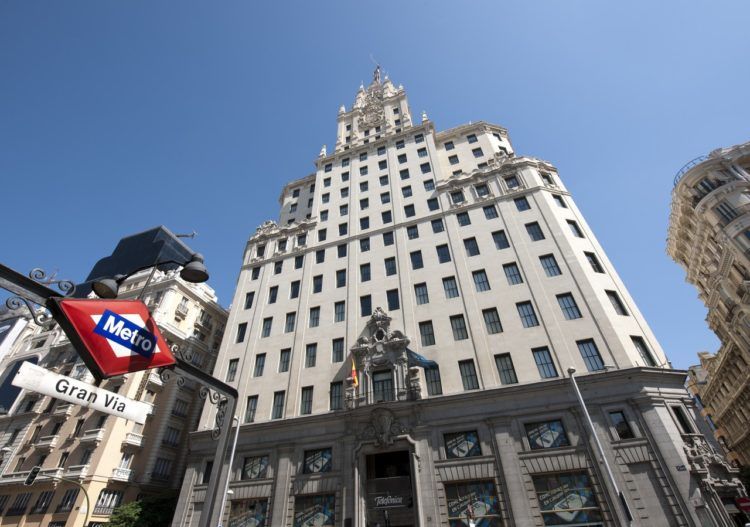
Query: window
x=434, y=385
x=336, y=396
x=579, y=503
x=345, y=192
x=426, y=333
x=546, y=434
x=381, y=149
x=67, y=502
x=328, y=167
x=294, y=289
x=305, y=406
x=476, y=499
x=409, y=211
x=337, y=350
x=284, y=358
x=232, y=370
x=390, y=266
x=527, y=314
x=544, y=362
x=492, y=321
x=171, y=438
x=364, y=272
x=458, y=325
x=363, y=171
x=339, y=311
x=383, y=180
x=477, y=152
x=682, y=419
x=364, y=223
x=363, y=186
x=388, y=238
x=344, y=209
x=317, y=283
x=322, y=235
x=500, y=239
x=277, y=410
x=241, y=330
x=254, y=467
x=560, y=201
x=320, y=256
x=393, y=301
x=42, y=502
x=314, y=317
x=490, y=212
x=402, y=158
x=341, y=278
x=575, y=229
x=482, y=190
x=429, y=185
x=387, y=216
x=432, y=204
x=382, y=386
x=298, y=260
x=590, y=354
x=311, y=352
x=457, y=197
x=448, y=145
x=365, y=305
x=261, y=250
x=325, y=197
x=341, y=250
x=471, y=138
x=463, y=219
x=425, y=168
x=462, y=444
x=621, y=425
x=416, y=260
x=420, y=291
x=450, y=286
x=364, y=203
x=443, y=253
x=260, y=364
x=437, y=225
x=471, y=246
x=422, y=152
x=323, y=217
x=505, y=368
x=255, y=273
x=511, y=182
x=453, y=160
x=594, y=262
x=645, y=354
x=568, y=306
x=295, y=193
x=480, y=280
x=512, y=273
x=327, y=182
x=468, y=374
x=363, y=155
x=289, y=324
x=249, y=299
x=364, y=245
x=535, y=231
x=272, y=294
x=412, y=232
x=549, y=264
x=522, y=204
x=617, y=304
x=385, y=197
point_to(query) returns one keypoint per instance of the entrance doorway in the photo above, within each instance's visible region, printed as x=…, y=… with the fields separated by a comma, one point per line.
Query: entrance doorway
x=390, y=492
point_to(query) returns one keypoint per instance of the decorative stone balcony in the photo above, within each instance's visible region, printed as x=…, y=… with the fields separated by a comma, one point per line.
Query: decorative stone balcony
x=63, y=410
x=122, y=474
x=77, y=471
x=154, y=380
x=133, y=439
x=94, y=435
x=47, y=442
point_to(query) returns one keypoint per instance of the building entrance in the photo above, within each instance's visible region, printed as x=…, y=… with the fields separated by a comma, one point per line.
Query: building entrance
x=390, y=494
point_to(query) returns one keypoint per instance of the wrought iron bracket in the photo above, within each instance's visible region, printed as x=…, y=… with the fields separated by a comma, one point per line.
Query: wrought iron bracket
x=32, y=292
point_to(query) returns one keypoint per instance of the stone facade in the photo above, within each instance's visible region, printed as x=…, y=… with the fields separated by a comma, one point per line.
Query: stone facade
x=709, y=236
x=116, y=461
x=399, y=340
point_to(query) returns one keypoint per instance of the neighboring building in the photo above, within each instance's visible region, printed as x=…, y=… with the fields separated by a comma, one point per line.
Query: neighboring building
x=709, y=236
x=115, y=460
x=491, y=285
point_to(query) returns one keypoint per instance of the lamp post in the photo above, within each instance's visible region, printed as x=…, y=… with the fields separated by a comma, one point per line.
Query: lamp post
x=229, y=476
x=610, y=475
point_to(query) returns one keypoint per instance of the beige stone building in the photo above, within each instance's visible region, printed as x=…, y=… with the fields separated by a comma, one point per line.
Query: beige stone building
x=113, y=459
x=462, y=283
x=709, y=236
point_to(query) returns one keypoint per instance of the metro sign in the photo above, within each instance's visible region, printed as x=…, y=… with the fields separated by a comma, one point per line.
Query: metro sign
x=113, y=337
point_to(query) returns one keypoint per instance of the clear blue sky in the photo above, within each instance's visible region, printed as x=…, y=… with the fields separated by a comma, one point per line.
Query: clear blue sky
x=119, y=116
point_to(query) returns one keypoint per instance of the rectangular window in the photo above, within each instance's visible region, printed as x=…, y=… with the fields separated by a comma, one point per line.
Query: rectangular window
x=463, y=219
x=434, y=385
x=336, y=396
x=471, y=246
x=298, y=261
x=364, y=223
x=580, y=501
x=344, y=177
x=249, y=299
x=404, y=173
x=443, y=253
x=409, y=211
x=284, y=358
x=260, y=364
x=323, y=217
x=500, y=239
x=341, y=250
x=385, y=197
x=343, y=228
x=311, y=354
x=527, y=314
x=294, y=289
x=590, y=354
x=289, y=324
x=575, y=229
x=425, y=168
x=314, y=317
x=560, y=201
x=277, y=410
x=383, y=180
x=468, y=374
x=252, y=406
x=429, y=185
x=241, y=330
x=471, y=138
x=621, y=425
x=254, y=467
x=266, y=328
x=412, y=232
x=492, y=321
x=448, y=145
x=544, y=362
x=232, y=370
x=458, y=325
x=278, y=267
x=511, y=182
x=437, y=225
x=427, y=333
x=364, y=245
x=432, y=204
x=482, y=190
x=345, y=192
x=305, y=406
x=522, y=204
x=317, y=283
x=337, y=350
x=480, y=280
x=393, y=300
x=322, y=235
x=569, y=307
x=472, y=499
x=416, y=260
x=402, y=158
x=320, y=256
x=617, y=304
x=390, y=266
x=594, y=262
x=388, y=238
x=546, y=434
x=255, y=273
x=365, y=305
x=339, y=311
x=549, y=264
x=364, y=272
x=513, y=273
x=406, y=191
x=422, y=152
x=535, y=231
x=490, y=212
x=341, y=278
x=450, y=286
x=382, y=164
x=643, y=351
x=387, y=216
x=420, y=291
x=457, y=197
x=315, y=461
x=505, y=368
x=364, y=203
x=460, y=445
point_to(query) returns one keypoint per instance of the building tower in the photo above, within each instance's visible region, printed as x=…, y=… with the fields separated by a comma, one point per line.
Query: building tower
x=709, y=236
x=116, y=461
x=401, y=340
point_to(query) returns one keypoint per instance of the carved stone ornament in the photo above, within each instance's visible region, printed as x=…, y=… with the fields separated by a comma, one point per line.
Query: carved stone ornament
x=266, y=227
x=708, y=466
x=384, y=427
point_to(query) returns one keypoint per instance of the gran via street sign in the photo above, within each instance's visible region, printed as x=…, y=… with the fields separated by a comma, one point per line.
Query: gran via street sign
x=40, y=380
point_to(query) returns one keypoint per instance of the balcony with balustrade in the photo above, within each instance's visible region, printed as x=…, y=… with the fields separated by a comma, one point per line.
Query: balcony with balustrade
x=77, y=471
x=93, y=435
x=133, y=439
x=47, y=442
x=122, y=474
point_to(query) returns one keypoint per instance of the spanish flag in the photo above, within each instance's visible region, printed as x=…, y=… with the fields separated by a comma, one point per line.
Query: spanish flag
x=355, y=379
